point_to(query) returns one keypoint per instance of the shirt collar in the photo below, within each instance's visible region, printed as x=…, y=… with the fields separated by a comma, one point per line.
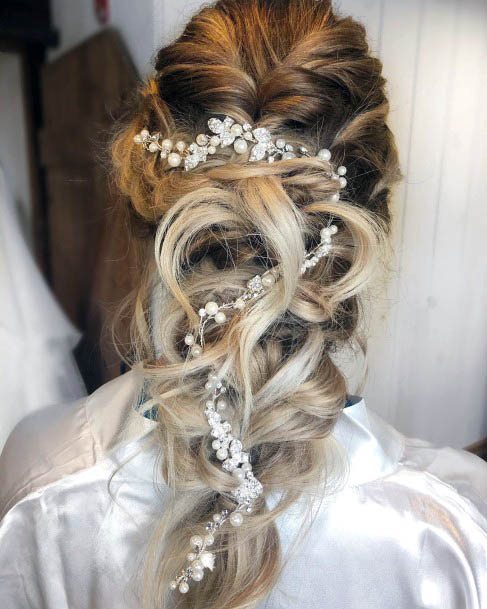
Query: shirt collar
x=371, y=447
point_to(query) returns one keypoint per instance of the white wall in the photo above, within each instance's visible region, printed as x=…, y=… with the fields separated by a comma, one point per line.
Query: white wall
x=428, y=356
x=428, y=339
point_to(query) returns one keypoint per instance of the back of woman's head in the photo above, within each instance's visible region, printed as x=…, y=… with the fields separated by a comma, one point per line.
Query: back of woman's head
x=305, y=74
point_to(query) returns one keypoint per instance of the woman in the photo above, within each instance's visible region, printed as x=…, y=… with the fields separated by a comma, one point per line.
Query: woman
x=260, y=155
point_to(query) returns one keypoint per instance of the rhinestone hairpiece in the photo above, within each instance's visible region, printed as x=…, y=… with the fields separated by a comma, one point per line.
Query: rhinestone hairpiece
x=224, y=133
x=229, y=449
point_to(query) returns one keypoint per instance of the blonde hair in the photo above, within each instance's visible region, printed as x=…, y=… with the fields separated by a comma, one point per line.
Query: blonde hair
x=305, y=74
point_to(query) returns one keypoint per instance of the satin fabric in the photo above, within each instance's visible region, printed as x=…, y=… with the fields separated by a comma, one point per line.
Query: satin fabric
x=403, y=526
x=33, y=329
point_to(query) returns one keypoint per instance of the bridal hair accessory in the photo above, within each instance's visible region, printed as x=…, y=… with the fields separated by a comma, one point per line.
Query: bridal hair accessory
x=229, y=449
x=256, y=287
x=224, y=133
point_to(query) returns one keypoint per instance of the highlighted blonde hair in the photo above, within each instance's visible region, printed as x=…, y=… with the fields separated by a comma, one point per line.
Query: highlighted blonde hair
x=306, y=74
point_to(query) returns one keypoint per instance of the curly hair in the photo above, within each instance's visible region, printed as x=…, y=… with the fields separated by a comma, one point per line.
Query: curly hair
x=306, y=74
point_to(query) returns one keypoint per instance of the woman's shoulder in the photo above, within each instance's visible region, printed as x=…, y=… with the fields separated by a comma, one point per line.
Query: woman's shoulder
x=379, y=456
x=377, y=452
x=410, y=517
x=60, y=440
x=458, y=469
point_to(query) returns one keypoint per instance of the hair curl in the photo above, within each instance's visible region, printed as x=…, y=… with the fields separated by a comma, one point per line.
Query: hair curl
x=306, y=74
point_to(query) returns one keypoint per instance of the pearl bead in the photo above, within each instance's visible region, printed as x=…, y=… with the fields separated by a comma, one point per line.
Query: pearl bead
x=335, y=198
x=144, y=134
x=268, y=280
x=288, y=155
x=334, y=229
x=209, y=539
x=343, y=182
x=248, y=135
x=180, y=145
x=211, y=308
x=201, y=139
x=238, y=474
x=236, y=129
x=163, y=154
x=236, y=519
x=153, y=147
x=220, y=317
x=324, y=154
x=342, y=170
x=197, y=574
x=173, y=585
x=211, y=149
x=202, y=313
x=216, y=444
x=325, y=232
x=167, y=145
x=196, y=541
x=222, y=454
x=280, y=143
x=209, y=385
x=240, y=146
x=214, y=140
x=189, y=339
x=239, y=304
x=217, y=518
x=221, y=404
x=197, y=564
x=191, y=556
x=138, y=138
x=183, y=587
x=196, y=350
x=174, y=159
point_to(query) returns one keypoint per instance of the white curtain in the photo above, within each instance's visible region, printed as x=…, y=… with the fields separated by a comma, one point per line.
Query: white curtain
x=37, y=367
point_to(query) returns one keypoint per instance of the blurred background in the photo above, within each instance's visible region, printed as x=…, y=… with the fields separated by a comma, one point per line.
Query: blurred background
x=66, y=68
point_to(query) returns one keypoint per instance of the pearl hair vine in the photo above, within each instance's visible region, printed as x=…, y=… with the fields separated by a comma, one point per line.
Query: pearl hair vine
x=255, y=288
x=224, y=133
x=229, y=449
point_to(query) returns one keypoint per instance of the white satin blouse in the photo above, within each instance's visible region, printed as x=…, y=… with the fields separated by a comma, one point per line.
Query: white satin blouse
x=407, y=529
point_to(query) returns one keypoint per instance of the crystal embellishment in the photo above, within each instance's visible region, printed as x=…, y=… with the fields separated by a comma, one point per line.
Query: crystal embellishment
x=258, y=143
x=248, y=491
x=255, y=284
x=264, y=144
x=223, y=130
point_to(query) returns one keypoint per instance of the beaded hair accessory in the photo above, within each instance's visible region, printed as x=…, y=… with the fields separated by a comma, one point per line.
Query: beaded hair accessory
x=224, y=133
x=229, y=449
